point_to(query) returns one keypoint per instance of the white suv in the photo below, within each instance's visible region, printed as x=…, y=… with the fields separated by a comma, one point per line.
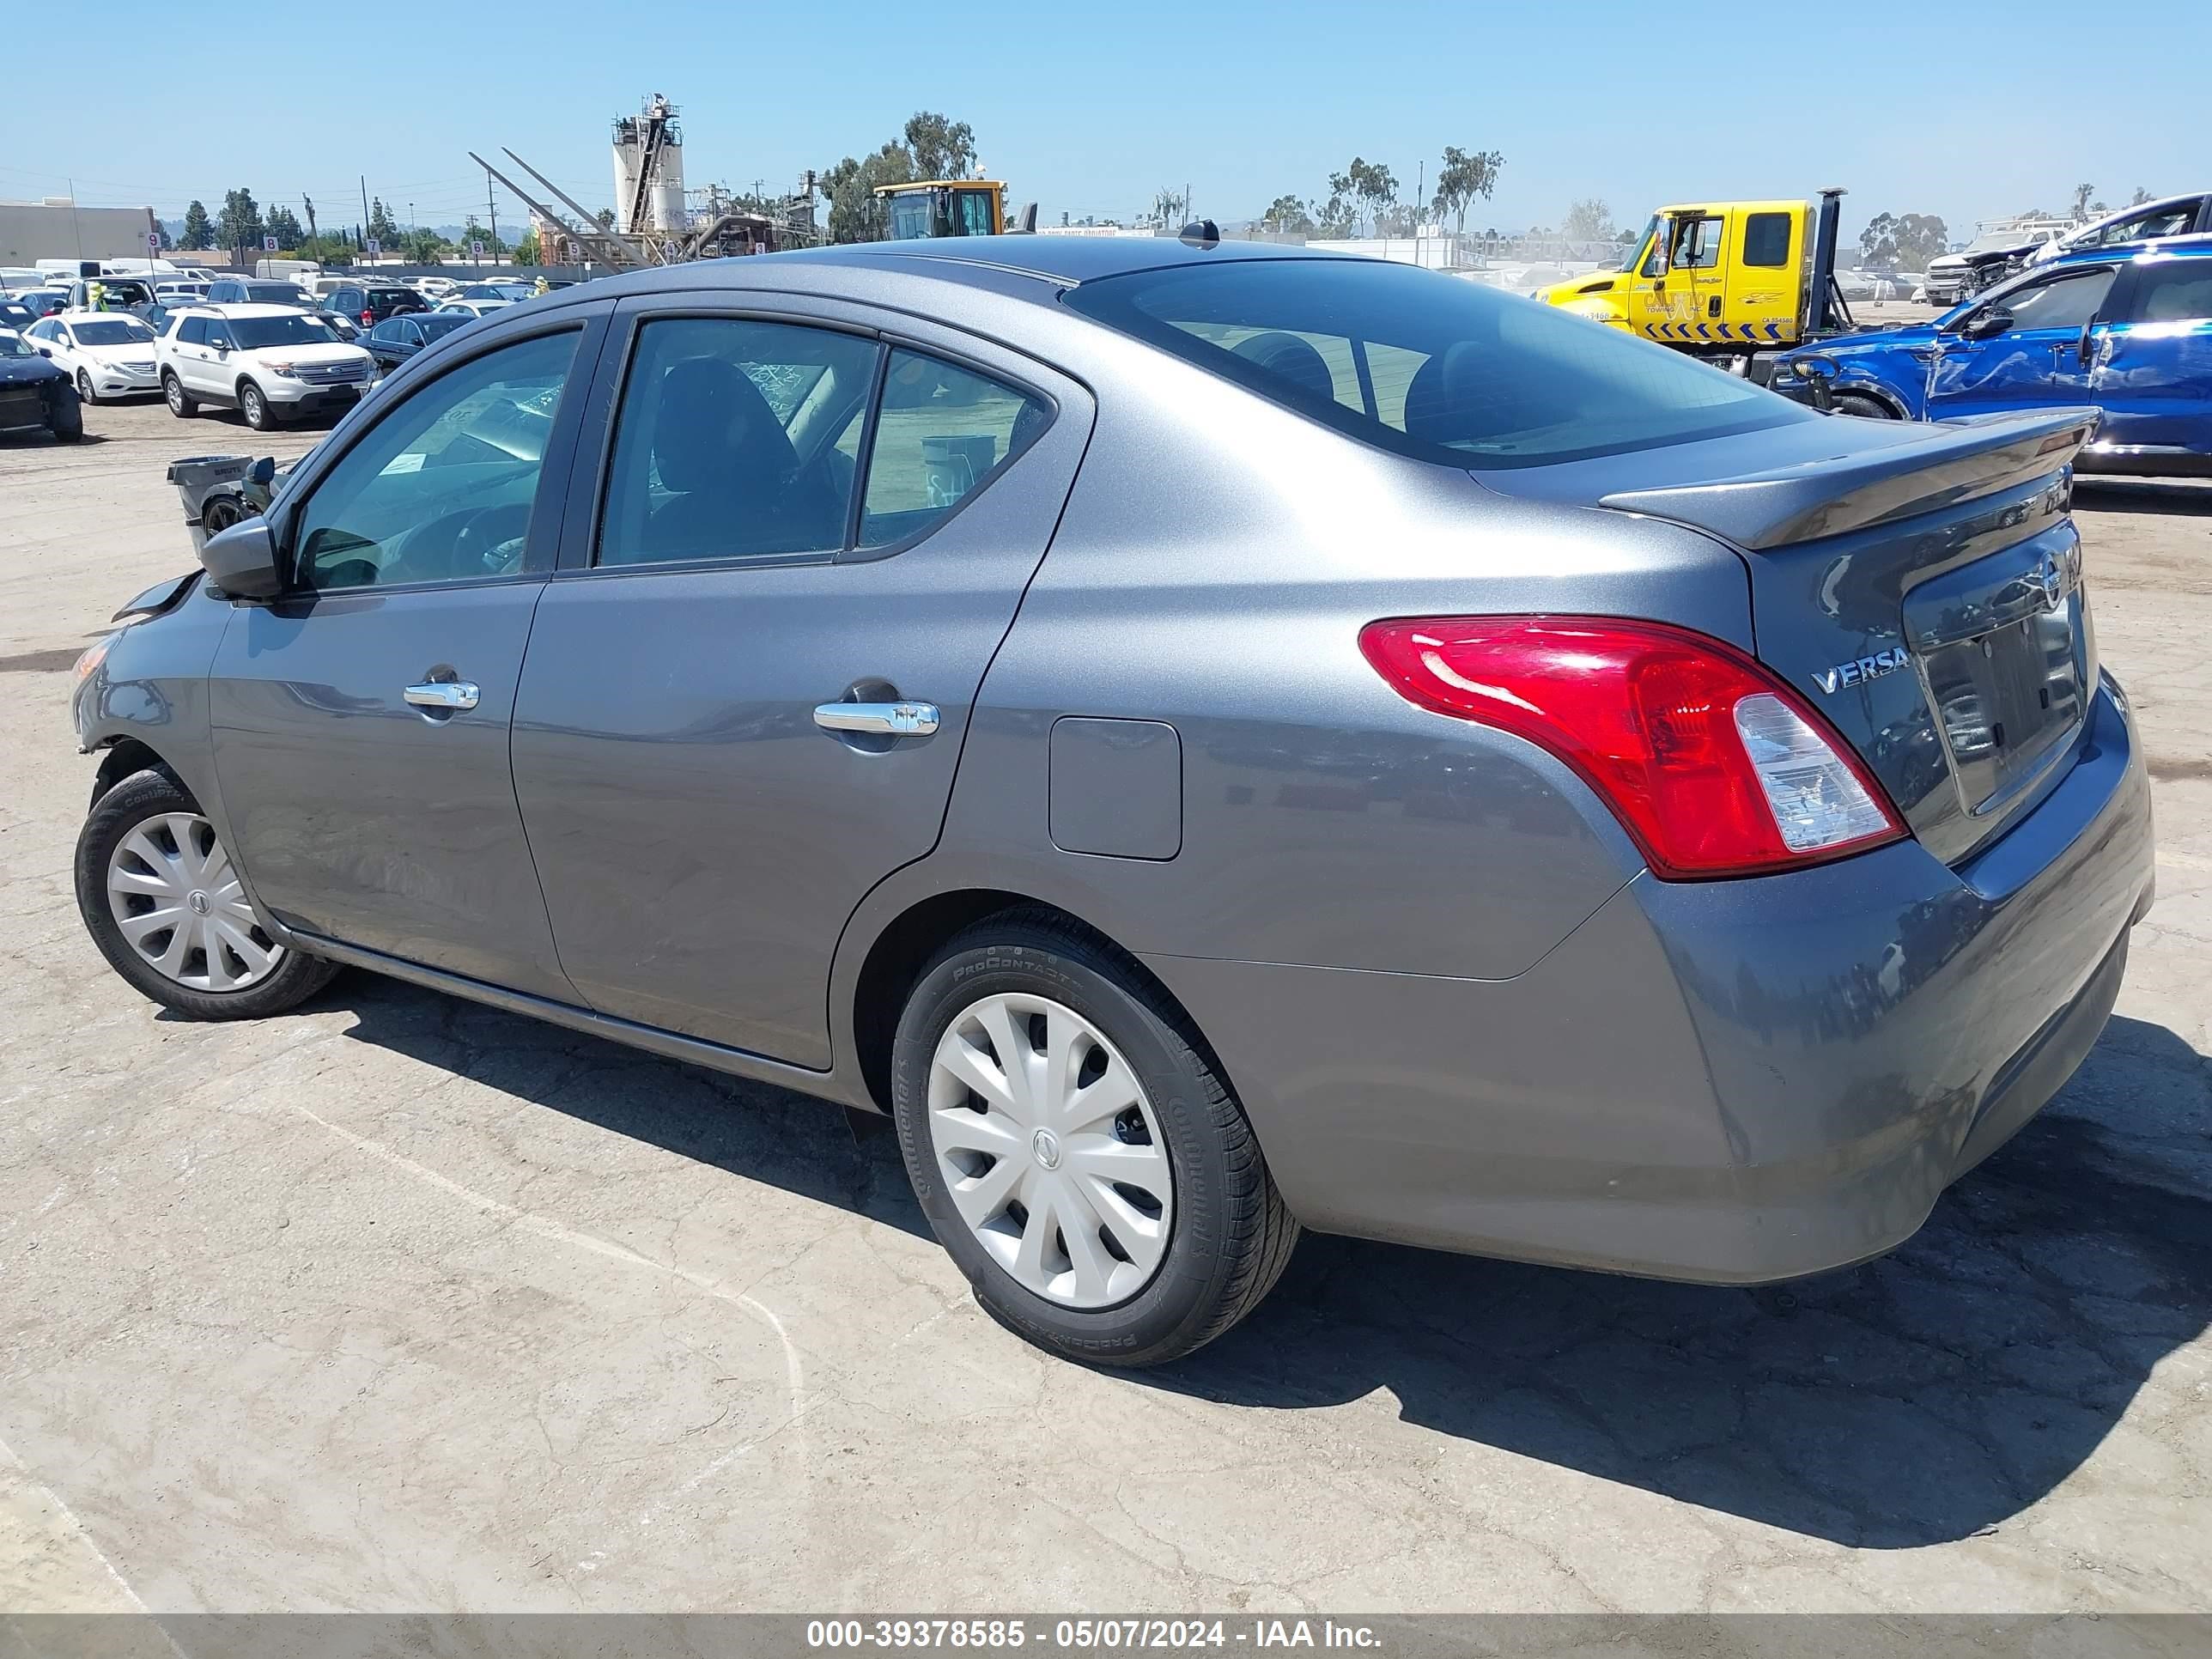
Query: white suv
x=275, y=362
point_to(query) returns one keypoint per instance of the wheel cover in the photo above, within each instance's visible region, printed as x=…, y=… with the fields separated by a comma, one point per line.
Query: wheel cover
x=179, y=904
x=1050, y=1151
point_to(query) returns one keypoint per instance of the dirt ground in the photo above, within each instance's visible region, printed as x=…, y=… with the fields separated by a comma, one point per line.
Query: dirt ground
x=401, y=1304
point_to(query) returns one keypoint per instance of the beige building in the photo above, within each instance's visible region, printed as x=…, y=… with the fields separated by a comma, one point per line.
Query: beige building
x=57, y=228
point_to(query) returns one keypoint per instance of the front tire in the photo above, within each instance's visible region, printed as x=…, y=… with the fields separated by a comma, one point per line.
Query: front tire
x=182, y=403
x=1077, y=1152
x=159, y=895
x=84, y=388
x=255, y=406
x=1857, y=403
x=66, y=419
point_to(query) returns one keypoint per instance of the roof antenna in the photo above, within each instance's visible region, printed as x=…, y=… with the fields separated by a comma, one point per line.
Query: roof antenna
x=1202, y=232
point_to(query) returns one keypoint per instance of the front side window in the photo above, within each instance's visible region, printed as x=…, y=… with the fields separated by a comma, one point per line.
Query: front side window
x=2180, y=292
x=1697, y=244
x=2070, y=301
x=1767, y=239
x=1478, y=378
x=439, y=489
x=941, y=432
x=734, y=440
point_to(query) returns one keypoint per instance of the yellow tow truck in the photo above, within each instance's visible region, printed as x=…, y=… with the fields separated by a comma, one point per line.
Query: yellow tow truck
x=1724, y=280
x=944, y=206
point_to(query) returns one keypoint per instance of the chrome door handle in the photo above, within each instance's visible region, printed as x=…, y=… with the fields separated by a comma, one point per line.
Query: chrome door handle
x=444, y=694
x=893, y=719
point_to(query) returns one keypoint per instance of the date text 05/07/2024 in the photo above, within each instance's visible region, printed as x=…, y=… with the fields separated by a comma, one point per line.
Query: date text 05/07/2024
x=1089, y=1635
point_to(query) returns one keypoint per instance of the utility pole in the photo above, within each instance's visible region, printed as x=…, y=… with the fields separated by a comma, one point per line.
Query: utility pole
x=491, y=212
x=308, y=202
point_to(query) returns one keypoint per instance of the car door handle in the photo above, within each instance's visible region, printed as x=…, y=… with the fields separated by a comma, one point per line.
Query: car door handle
x=893, y=719
x=444, y=694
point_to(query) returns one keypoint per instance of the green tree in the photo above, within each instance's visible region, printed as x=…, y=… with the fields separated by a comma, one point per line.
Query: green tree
x=1893, y=242
x=1287, y=214
x=199, y=233
x=238, y=224
x=382, y=226
x=527, y=250
x=328, y=250
x=855, y=215
x=939, y=149
x=284, y=225
x=1465, y=175
x=1370, y=184
x=1588, y=221
x=473, y=233
x=425, y=248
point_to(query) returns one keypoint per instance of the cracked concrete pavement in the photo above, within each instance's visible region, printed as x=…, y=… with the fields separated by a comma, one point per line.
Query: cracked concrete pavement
x=400, y=1304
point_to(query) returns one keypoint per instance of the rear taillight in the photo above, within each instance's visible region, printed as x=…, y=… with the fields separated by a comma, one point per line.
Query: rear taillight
x=1712, y=764
x=368, y=316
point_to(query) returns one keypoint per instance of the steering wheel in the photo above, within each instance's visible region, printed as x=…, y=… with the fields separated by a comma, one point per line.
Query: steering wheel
x=491, y=539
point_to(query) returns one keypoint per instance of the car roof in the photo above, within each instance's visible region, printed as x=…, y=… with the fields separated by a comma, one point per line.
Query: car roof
x=239, y=311
x=1062, y=261
x=87, y=314
x=2170, y=247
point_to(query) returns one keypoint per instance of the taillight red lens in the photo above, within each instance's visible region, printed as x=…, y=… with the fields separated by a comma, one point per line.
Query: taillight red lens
x=368, y=316
x=1712, y=764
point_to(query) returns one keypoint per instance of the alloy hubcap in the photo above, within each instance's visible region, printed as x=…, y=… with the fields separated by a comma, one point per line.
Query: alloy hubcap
x=1050, y=1151
x=179, y=905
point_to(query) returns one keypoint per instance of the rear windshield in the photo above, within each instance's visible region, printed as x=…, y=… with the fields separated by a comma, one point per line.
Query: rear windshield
x=1428, y=366
x=389, y=296
x=276, y=293
x=434, y=323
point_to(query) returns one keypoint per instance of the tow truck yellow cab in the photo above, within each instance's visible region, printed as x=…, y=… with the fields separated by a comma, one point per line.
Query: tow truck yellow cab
x=1711, y=276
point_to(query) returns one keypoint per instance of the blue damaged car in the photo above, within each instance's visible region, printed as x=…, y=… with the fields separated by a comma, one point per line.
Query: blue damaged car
x=2128, y=331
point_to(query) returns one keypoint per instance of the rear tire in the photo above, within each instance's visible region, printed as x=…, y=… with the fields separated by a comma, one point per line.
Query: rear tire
x=179, y=855
x=1857, y=403
x=182, y=403
x=1228, y=1235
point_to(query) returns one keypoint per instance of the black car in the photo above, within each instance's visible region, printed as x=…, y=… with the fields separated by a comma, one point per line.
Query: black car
x=396, y=339
x=35, y=392
x=369, y=303
x=16, y=315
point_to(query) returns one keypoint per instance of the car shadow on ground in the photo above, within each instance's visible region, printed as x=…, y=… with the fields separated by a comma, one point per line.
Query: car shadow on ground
x=2161, y=496
x=1927, y=1397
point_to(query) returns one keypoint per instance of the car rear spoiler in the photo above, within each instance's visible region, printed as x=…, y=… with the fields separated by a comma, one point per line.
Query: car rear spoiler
x=1948, y=462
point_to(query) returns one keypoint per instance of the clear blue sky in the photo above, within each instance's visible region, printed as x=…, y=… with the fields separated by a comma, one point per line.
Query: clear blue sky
x=1090, y=108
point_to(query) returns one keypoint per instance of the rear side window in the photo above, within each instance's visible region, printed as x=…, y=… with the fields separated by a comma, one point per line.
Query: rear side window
x=1767, y=239
x=942, y=431
x=2177, y=293
x=192, y=330
x=1463, y=374
x=735, y=439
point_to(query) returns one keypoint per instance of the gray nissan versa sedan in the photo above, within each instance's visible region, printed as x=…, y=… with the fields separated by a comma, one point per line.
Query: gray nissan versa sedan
x=1212, y=739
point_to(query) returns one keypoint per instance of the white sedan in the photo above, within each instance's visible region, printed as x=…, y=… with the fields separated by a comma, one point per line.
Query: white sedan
x=475, y=307
x=110, y=354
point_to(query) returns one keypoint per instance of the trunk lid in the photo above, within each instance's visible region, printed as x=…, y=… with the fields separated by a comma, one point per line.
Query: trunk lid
x=1919, y=584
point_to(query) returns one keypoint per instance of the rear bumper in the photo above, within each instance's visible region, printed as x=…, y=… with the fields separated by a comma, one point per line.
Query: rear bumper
x=1731, y=1082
